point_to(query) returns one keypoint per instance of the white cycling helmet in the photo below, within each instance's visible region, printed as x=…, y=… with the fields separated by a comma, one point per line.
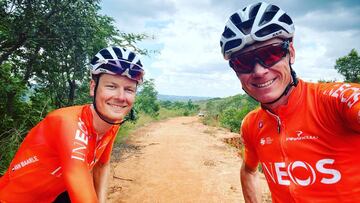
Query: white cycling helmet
x=117, y=61
x=255, y=23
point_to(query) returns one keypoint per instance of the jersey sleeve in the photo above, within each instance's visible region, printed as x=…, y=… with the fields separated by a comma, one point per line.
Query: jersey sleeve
x=344, y=98
x=72, y=146
x=250, y=157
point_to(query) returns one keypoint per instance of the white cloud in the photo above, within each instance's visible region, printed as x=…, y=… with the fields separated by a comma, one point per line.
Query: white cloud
x=332, y=19
x=190, y=61
x=188, y=33
x=132, y=16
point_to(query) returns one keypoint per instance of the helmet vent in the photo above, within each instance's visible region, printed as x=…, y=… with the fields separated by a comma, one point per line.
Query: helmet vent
x=254, y=10
x=131, y=56
x=235, y=19
x=269, y=14
x=228, y=33
x=286, y=19
x=106, y=54
x=118, y=52
x=245, y=27
x=268, y=30
x=139, y=63
x=232, y=44
x=94, y=60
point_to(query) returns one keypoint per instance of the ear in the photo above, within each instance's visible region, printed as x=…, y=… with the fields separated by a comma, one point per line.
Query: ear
x=292, y=53
x=92, y=88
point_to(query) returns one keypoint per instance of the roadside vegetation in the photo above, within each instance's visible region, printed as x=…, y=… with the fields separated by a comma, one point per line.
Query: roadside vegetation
x=149, y=109
x=45, y=47
x=227, y=112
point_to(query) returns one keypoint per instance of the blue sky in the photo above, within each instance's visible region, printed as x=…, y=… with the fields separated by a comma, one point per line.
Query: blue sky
x=187, y=36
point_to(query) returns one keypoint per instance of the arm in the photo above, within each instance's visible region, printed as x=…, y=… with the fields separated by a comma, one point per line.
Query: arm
x=249, y=184
x=79, y=185
x=101, y=173
x=248, y=171
x=71, y=144
x=343, y=101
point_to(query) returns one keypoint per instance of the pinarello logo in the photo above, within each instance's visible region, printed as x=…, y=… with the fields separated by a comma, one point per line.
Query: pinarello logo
x=300, y=135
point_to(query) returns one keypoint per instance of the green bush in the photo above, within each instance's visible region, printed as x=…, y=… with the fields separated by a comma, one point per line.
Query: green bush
x=228, y=112
x=231, y=118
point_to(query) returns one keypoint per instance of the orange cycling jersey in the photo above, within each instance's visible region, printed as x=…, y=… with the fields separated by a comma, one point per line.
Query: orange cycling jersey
x=57, y=155
x=309, y=148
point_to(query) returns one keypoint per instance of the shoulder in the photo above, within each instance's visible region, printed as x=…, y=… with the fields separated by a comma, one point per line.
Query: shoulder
x=66, y=113
x=253, y=115
x=347, y=93
x=333, y=88
x=64, y=119
x=251, y=118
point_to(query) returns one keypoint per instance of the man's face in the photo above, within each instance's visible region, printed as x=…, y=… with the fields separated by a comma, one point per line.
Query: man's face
x=267, y=84
x=115, y=96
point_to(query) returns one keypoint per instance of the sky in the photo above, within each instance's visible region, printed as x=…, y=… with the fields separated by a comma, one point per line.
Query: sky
x=186, y=34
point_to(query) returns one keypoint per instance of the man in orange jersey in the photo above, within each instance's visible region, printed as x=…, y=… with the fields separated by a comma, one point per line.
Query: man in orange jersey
x=68, y=152
x=306, y=136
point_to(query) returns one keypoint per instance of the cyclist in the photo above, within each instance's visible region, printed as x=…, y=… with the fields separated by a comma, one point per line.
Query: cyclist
x=68, y=152
x=306, y=136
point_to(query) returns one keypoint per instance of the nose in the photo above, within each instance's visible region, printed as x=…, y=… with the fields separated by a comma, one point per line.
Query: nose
x=259, y=69
x=120, y=94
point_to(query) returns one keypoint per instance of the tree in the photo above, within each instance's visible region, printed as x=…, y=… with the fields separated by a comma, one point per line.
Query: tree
x=45, y=48
x=349, y=66
x=146, y=99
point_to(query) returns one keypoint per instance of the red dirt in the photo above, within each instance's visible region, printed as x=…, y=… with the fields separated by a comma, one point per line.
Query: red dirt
x=178, y=160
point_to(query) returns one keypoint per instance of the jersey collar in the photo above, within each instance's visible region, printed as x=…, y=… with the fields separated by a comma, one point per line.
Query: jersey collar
x=295, y=98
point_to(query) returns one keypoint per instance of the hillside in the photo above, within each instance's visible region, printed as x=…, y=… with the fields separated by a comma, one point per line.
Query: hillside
x=164, y=97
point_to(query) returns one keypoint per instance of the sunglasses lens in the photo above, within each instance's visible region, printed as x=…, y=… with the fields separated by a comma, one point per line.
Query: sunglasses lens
x=243, y=63
x=270, y=55
x=267, y=56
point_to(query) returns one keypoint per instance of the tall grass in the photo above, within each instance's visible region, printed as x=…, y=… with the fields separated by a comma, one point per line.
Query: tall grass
x=130, y=126
x=9, y=143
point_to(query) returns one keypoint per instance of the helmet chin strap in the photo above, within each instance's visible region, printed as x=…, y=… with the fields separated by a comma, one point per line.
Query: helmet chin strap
x=97, y=111
x=294, y=83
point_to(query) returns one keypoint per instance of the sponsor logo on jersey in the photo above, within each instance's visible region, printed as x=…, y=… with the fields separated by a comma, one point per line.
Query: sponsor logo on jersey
x=266, y=140
x=300, y=135
x=281, y=173
x=347, y=94
x=24, y=163
x=261, y=124
x=80, y=142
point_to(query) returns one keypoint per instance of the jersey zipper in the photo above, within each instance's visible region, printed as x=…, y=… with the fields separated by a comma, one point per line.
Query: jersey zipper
x=281, y=125
x=278, y=121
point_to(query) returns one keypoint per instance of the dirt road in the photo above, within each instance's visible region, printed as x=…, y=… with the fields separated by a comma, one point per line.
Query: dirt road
x=177, y=160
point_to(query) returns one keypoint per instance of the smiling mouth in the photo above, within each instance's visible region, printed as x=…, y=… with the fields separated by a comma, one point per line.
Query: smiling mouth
x=119, y=107
x=266, y=84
